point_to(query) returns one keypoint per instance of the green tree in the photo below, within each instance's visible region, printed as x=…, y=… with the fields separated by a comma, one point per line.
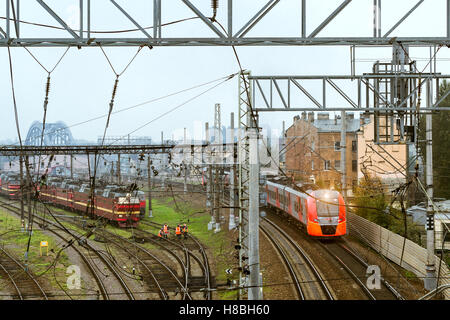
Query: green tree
x=441, y=145
x=371, y=201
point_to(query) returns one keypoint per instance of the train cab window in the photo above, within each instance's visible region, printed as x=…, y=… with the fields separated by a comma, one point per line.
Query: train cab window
x=106, y=193
x=326, y=207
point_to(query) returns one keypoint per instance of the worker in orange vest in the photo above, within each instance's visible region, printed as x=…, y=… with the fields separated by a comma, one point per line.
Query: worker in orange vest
x=185, y=230
x=161, y=233
x=166, y=231
x=178, y=231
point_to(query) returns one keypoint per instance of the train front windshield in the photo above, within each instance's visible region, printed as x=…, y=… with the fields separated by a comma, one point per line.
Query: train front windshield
x=325, y=203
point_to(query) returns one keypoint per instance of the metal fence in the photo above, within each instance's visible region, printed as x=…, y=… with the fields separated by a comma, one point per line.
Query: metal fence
x=413, y=258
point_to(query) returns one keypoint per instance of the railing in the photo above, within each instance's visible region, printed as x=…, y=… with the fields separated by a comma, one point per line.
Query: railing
x=390, y=245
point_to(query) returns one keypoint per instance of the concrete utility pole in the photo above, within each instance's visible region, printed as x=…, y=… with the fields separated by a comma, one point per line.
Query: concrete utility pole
x=185, y=165
x=22, y=215
x=118, y=169
x=232, y=221
x=430, y=280
x=217, y=193
x=218, y=163
x=149, y=186
x=28, y=191
x=163, y=163
x=343, y=147
x=71, y=166
x=254, y=292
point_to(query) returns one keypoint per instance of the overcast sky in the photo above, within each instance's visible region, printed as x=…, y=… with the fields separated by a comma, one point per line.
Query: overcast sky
x=82, y=83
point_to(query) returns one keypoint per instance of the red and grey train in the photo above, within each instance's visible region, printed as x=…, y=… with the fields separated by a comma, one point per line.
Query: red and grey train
x=322, y=212
x=111, y=202
x=10, y=186
x=114, y=205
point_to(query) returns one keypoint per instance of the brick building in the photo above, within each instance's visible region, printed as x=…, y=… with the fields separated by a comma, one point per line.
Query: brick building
x=314, y=153
x=386, y=161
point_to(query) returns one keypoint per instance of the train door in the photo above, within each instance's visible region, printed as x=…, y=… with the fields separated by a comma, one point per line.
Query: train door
x=288, y=202
x=277, y=198
x=294, y=206
x=304, y=213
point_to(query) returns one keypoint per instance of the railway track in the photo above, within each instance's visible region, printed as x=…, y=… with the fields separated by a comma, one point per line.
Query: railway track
x=92, y=267
x=352, y=264
x=160, y=277
x=194, y=283
x=356, y=267
x=25, y=285
x=155, y=270
x=307, y=281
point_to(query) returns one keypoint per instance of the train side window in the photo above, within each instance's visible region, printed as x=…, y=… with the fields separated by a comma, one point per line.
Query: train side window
x=303, y=206
x=297, y=205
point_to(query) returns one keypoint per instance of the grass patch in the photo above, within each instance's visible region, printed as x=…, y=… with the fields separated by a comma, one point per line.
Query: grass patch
x=15, y=240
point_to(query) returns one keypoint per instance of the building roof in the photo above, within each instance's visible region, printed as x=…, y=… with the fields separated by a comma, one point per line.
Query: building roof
x=418, y=212
x=334, y=125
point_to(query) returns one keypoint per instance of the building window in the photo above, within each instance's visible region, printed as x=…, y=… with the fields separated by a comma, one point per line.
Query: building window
x=312, y=145
x=327, y=164
x=353, y=146
x=354, y=165
x=312, y=165
x=337, y=146
x=337, y=164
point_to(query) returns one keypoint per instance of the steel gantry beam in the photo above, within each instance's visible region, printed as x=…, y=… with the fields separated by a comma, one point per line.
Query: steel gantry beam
x=289, y=93
x=13, y=151
x=11, y=33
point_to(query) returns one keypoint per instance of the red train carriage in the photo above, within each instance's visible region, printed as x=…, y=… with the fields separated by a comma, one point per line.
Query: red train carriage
x=321, y=211
x=120, y=207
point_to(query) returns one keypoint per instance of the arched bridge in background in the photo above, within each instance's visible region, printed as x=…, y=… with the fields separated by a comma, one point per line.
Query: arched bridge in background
x=56, y=134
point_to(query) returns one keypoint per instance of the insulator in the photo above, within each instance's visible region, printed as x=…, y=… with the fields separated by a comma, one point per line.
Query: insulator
x=214, y=5
x=115, y=89
x=47, y=88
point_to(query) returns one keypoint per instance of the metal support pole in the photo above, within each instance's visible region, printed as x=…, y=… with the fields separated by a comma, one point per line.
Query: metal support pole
x=343, y=147
x=430, y=280
x=149, y=186
x=448, y=18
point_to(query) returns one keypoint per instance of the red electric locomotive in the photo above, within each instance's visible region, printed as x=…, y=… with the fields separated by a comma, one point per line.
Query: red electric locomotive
x=10, y=186
x=321, y=211
x=116, y=206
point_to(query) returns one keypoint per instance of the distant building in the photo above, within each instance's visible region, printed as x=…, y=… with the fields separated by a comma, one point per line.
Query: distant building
x=314, y=150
